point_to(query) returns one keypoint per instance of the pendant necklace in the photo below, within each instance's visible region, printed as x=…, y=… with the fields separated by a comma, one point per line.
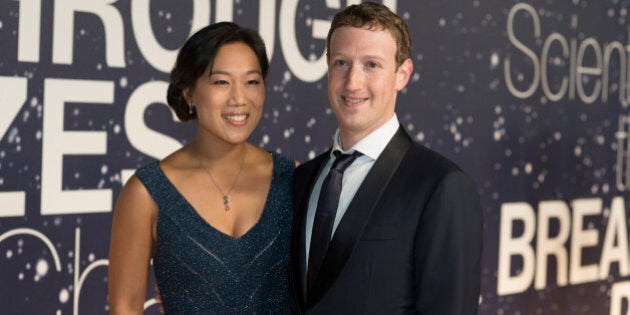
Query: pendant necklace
x=226, y=195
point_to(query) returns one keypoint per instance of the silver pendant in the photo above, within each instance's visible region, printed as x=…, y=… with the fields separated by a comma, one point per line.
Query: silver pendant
x=226, y=202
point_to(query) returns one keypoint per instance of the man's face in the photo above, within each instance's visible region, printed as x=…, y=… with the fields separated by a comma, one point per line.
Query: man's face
x=363, y=80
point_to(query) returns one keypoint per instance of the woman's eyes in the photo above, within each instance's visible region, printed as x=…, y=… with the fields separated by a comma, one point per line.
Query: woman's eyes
x=253, y=82
x=225, y=82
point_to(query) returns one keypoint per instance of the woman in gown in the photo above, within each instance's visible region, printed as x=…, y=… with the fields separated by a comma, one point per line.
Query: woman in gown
x=215, y=215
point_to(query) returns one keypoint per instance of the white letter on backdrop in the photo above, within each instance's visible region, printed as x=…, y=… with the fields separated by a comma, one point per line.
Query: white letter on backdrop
x=160, y=58
x=56, y=143
x=63, y=30
x=516, y=246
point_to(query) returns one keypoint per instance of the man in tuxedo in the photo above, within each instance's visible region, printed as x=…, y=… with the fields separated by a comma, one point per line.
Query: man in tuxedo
x=382, y=225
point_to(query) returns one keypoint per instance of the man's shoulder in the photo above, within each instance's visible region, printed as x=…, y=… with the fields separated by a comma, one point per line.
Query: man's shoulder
x=430, y=167
x=421, y=161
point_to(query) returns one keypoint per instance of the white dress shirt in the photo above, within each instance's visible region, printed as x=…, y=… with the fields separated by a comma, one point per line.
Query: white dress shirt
x=371, y=148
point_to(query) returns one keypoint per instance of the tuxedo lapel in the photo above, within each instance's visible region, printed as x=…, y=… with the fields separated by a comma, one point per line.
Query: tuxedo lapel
x=305, y=178
x=356, y=217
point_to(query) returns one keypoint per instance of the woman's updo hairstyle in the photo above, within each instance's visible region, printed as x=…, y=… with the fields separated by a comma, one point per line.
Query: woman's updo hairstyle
x=197, y=55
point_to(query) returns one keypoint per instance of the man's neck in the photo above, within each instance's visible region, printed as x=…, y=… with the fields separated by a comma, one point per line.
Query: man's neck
x=349, y=138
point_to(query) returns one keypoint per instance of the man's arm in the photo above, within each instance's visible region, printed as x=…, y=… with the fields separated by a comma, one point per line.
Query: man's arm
x=448, y=248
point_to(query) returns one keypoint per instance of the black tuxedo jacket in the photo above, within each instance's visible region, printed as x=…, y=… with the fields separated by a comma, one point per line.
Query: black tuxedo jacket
x=410, y=241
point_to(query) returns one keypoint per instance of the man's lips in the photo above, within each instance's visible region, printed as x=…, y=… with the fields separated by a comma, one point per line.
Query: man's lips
x=352, y=101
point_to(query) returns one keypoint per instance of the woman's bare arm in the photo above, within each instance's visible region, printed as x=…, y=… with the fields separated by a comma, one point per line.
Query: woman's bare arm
x=131, y=248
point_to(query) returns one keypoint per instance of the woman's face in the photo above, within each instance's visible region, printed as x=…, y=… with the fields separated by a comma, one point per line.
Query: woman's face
x=229, y=97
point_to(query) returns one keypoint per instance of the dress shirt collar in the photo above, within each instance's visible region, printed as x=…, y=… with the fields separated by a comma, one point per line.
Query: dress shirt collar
x=374, y=143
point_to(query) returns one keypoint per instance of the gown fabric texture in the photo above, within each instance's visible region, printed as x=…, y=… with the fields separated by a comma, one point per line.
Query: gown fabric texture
x=202, y=270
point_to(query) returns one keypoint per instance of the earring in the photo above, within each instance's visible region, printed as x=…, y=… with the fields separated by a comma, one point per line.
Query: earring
x=191, y=109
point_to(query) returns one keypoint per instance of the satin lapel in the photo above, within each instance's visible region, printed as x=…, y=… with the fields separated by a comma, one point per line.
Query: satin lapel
x=356, y=217
x=298, y=250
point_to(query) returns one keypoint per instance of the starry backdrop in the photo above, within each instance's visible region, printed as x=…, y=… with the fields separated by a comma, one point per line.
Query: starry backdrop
x=517, y=148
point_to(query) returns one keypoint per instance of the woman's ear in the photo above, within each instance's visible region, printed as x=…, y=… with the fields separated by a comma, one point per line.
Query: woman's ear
x=187, y=94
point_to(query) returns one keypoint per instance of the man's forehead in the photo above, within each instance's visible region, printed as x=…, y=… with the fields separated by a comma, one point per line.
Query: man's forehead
x=373, y=42
x=373, y=30
x=375, y=27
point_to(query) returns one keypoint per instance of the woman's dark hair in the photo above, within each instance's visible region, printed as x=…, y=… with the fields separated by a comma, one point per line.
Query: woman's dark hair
x=197, y=55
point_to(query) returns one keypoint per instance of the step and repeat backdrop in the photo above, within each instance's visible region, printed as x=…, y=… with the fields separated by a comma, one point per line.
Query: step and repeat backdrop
x=529, y=97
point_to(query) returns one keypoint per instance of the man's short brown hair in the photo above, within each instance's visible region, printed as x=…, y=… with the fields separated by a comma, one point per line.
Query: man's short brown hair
x=375, y=16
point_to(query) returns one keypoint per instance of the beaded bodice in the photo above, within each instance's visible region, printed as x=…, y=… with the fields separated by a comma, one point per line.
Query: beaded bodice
x=202, y=270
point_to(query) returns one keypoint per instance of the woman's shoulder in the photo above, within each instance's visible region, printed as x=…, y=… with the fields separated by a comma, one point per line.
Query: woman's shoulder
x=180, y=165
x=282, y=160
x=180, y=158
x=135, y=197
x=271, y=162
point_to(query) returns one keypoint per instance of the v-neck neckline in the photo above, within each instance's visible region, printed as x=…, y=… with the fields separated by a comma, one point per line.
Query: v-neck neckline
x=203, y=222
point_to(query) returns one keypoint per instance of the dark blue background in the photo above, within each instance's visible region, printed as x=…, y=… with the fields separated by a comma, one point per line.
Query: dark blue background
x=457, y=103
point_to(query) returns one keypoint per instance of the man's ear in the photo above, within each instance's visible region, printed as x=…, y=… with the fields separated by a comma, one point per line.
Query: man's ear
x=403, y=74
